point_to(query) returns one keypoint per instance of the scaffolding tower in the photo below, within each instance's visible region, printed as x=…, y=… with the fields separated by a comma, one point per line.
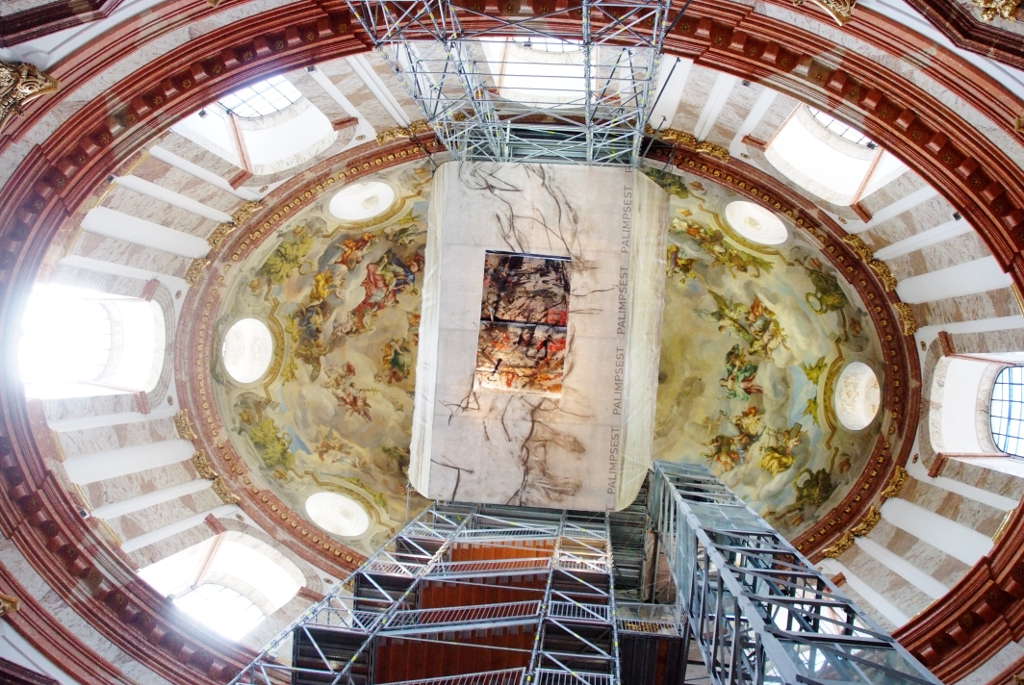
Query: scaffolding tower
x=501, y=595
x=568, y=82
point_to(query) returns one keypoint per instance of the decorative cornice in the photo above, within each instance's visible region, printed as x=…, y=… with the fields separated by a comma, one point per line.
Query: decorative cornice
x=871, y=518
x=20, y=84
x=416, y=128
x=867, y=255
x=688, y=141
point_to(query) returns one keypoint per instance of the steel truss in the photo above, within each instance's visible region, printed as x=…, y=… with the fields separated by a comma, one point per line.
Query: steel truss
x=757, y=608
x=570, y=613
x=587, y=104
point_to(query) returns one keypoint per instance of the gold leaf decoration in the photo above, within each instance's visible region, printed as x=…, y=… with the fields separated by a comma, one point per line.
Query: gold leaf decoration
x=19, y=85
x=220, y=488
x=1004, y=9
x=183, y=424
x=415, y=128
x=880, y=268
x=688, y=140
x=201, y=461
x=839, y=546
x=196, y=270
x=908, y=322
x=840, y=10
x=895, y=484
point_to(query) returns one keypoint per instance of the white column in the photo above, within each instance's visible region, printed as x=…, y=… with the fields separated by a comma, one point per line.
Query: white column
x=82, y=423
x=121, y=461
x=713, y=105
x=203, y=174
x=761, y=106
x=158, y=192
x=901, y=567
x=364, y=70
x=919, y=241
x=132, y=504
x=172, y=529
x=904, y=204
x=115, y=224
x=877, y=601
x=951, y=537
x=968, y=278
x=671, y=89
x=172, y=283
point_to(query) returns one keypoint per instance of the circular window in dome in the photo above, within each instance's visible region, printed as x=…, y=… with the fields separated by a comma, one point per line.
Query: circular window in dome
x=337, y=514
x=755, y=223
x=248, y=349
x=362, y=201
x=857, y=396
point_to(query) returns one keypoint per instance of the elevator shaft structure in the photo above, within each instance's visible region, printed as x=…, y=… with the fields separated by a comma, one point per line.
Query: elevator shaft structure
x=473, y=594
x=756, y=608
x=568, y=82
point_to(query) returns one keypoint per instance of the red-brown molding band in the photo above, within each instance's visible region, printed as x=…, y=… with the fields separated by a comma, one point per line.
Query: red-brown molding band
x=962, y=24
x=56, y=177
x=52, y=17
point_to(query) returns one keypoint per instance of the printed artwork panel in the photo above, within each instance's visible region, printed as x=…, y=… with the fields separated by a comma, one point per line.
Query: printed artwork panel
x=521, y=357
x=525, y=289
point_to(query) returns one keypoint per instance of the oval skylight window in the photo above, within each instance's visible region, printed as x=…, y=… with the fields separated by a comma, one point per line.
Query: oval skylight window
x=337, y=514
x=362, y=201
x=755, y=223
x=247, y=350
x=857, y=396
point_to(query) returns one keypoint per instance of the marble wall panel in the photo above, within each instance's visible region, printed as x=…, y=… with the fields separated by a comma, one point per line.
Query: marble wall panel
x=987, y=479
x=901, y=186
x=80, y=407
x=158, y=211
x=886, y=582
x=735, y=111
x=124, y=253
x=197, y=154
x=985, y=305
x=1001, y=660
x=980, y=517
x=135, y=484
x=163, y=514
x=935, y=562
x=170, y=177
x=370, y=108
x=782, y=107
x=929, y=214
x=165, y=548
x=694, y=98
x=112, y=437
x=991, y=341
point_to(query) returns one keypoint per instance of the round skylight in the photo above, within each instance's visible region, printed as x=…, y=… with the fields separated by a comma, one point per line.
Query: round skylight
x=247, y=350
x=755, y=223
x=362, y=201
x=337, y=514
x=857, y=396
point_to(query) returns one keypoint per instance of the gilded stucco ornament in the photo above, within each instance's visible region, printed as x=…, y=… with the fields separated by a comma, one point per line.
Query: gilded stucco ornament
x=19, y=85
x=1005, y=9
x=840, y=10
x=880, y=269
x=417, y=127
x=908, y=322
x=871, y=518
x=689, y=141
x=8, y=603
x=196, y=270
x=184, y=426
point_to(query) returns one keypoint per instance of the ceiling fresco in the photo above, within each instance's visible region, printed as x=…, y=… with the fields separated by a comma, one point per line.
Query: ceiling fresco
x=754, y=338
x=333, y=412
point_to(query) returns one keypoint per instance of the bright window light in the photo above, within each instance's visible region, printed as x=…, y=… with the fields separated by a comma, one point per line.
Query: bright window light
x=830, y=123
x=77, y=342
x=221, y=609
x=260, y=99
x=1007, y=411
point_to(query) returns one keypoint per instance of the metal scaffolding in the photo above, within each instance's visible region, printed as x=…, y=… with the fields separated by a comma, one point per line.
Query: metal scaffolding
x=567, y=82
x=460, y=557
x=756, y=607
x=501, y=595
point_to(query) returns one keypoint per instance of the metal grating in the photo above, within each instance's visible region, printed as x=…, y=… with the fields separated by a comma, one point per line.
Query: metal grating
x=572, y=84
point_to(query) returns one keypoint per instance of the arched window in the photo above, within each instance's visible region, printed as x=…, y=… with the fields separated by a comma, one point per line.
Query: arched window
x=264, y=128
x=221, y=609
x=1006, y=412
x=274, y=94
x=829, y=158
x=236, y=570
x=77, y=342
